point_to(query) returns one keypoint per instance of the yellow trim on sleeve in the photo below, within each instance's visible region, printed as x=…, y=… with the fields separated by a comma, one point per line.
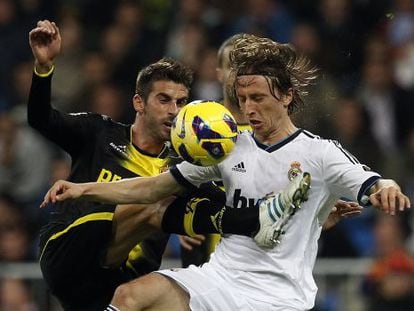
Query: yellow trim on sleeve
x=44, y=75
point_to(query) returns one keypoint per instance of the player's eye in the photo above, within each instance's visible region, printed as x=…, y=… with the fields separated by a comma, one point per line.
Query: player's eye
x=181, y=102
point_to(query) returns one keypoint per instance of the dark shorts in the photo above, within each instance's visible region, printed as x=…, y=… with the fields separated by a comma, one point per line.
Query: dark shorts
x=72, y=249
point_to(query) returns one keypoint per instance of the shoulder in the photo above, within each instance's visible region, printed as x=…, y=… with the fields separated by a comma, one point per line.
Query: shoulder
x=316, y=139
x=97, y=118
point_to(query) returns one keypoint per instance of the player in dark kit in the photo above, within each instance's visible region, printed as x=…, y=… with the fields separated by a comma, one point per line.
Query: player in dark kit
x=81, y=259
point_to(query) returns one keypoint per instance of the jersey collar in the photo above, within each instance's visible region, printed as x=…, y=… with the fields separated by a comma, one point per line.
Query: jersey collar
x=280, y=144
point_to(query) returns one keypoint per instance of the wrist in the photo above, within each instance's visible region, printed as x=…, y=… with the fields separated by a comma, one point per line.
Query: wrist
x=44, y=68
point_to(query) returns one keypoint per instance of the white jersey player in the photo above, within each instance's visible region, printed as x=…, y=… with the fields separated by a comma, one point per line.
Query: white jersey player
x=281, y=277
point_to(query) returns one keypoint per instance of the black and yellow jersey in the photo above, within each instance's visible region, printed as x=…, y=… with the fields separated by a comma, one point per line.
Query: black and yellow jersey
x=73, y=243
x=100, y=148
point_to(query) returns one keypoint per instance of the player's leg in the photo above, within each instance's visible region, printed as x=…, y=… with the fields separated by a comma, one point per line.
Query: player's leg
x=151, y=292
x=71, y=249
x=264, y=222
x=132, y=224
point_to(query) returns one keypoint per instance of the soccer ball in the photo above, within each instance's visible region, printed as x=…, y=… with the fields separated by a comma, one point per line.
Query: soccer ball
x=204, y=133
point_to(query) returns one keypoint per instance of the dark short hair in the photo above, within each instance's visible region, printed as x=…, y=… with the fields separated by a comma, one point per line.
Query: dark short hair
x=166, y=69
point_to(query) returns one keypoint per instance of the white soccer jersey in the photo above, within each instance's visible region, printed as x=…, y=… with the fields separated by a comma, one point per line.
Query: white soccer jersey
x=281, y=276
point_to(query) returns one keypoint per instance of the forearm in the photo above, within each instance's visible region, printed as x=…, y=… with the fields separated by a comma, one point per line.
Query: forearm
x=38, y=107
x=131, y=190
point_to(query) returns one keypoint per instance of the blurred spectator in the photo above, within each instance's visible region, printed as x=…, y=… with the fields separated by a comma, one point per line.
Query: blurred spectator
x=206, y=85
x=10, y=214
x=128, y=44
x=25, y=164
x=376, y=48
x=13, y=47
x=390, y=281
x=16, y=295
x=107, y=99
x=15, y=242
x=322, y=97
x=68, y=79
x=404, y=66
x=192, y=16
x=266, y=18
x=189, y=44
x=388, y=106
x=340, y=32
x=400, y=28
x=351, y=128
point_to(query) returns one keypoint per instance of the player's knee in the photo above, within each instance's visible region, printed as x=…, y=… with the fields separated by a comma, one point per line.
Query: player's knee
x=124, y=298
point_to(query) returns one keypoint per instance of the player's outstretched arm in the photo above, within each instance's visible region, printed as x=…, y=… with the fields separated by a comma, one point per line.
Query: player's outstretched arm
x=130, y=190
x=45, y=41
x=386, y=196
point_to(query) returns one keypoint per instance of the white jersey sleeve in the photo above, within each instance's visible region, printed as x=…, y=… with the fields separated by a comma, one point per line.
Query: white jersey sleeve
x=343, y=174
x=190, y=175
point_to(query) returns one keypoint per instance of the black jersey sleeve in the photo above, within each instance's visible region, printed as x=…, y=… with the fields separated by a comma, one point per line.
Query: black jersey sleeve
x=69, y=131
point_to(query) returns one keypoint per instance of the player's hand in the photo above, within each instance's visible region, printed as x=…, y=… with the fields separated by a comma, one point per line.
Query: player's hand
x=387, y=197
x=62, y=190
x=341, y=210
x=188, y=242
x=45, y=41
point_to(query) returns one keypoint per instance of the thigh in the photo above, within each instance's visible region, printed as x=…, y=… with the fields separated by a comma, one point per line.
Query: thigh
x=207, y=289
x=151, y=292
x=130, y=226
x=71, y=265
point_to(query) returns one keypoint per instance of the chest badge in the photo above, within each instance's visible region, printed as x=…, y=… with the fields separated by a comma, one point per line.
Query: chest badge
x=294, y=170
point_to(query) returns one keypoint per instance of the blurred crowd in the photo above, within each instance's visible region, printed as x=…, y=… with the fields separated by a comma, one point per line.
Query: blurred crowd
x=364, y=98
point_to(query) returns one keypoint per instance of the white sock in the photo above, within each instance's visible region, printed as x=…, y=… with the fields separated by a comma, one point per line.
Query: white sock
x=111, y=308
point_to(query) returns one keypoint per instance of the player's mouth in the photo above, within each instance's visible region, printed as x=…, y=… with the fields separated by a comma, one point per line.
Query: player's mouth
x=255, y=123
x=168, y=125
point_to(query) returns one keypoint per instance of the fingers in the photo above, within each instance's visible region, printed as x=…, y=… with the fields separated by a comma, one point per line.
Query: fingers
x=347, y=209
x=352, y=213
x=188, y=242
x=44, y=32
x=56, y=193
x=47, y=27
x=390, y=200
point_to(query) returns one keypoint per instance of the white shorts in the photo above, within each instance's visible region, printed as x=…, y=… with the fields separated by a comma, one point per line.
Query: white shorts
x=210, y=290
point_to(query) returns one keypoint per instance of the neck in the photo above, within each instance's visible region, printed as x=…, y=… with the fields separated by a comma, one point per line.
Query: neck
x=283, y=131
x=142, y=139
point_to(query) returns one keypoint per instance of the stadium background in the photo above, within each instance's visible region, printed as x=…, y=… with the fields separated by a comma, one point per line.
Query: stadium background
x=364, y=98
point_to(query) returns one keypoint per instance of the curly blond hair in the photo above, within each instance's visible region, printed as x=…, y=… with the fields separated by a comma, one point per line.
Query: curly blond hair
x=284, y=68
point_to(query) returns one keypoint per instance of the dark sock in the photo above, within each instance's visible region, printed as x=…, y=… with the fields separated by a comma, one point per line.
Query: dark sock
x=190, y=216
x=243, y=221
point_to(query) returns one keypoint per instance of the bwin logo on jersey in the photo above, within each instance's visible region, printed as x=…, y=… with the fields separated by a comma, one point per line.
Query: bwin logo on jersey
x=240, y=201
x=239, y=167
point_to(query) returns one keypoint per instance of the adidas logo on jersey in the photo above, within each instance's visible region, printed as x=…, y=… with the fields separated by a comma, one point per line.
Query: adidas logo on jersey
x=239, y=167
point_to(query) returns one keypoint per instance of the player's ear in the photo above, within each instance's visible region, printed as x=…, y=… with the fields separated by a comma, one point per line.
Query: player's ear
x=287, y=98
x=138, y=103
x=220, y=74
